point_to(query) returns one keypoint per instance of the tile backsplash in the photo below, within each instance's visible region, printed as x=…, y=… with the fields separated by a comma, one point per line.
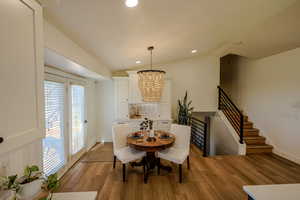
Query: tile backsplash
x=139, y=111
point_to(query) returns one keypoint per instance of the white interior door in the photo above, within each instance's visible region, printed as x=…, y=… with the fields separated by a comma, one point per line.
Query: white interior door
x=21, y=77
x=77, y=118
x=54, y=143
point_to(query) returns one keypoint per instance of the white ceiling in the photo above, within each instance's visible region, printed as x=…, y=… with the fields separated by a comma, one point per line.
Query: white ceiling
x=119, y=36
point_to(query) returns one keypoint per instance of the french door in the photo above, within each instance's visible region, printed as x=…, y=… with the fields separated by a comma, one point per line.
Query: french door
x=54, y=157
x=77, y=118
x=65, y=114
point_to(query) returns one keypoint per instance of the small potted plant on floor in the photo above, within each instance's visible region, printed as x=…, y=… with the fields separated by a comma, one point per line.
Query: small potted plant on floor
x=9, y=188
x=50, y=184
x=31, y=182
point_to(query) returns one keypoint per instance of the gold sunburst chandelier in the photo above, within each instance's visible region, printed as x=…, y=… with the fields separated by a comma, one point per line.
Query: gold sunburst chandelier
x=151, y=82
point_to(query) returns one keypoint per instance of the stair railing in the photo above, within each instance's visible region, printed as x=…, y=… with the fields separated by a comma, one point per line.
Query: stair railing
x=231, y=111
x=199, y=134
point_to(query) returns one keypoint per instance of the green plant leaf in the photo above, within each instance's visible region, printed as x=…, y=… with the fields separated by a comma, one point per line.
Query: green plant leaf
x=27, y=171
x=185, y=98
x=34, y=168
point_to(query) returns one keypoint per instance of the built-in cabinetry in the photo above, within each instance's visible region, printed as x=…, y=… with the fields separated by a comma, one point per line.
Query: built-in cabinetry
x=130, y=108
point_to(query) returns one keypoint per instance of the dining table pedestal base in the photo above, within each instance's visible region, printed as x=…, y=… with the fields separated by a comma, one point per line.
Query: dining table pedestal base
x=149, y=162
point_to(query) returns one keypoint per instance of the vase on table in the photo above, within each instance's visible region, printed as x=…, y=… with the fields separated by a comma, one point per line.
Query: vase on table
x=151, y=134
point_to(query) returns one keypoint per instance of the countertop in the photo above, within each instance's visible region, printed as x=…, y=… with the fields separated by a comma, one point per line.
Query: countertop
x=273, y=192
x=142, y=119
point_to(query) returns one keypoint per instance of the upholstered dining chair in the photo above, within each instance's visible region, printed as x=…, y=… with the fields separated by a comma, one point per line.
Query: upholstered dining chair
x=181, y=148
x=121, y=151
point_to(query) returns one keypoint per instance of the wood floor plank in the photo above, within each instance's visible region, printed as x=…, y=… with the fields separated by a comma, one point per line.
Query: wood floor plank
x=211, y=178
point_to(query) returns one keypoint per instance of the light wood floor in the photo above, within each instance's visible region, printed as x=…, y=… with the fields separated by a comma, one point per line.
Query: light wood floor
x=220, y=177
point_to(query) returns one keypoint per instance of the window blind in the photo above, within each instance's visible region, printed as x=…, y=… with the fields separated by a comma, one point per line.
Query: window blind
x=53, y=144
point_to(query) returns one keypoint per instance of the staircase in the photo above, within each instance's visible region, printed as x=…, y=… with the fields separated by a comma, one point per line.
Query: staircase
x=245, y=128
x=254, y=142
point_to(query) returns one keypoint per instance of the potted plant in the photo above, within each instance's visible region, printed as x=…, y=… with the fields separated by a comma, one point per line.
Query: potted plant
x=31, y=182
x=50, y=184
x=184, y=110
x=9, y=187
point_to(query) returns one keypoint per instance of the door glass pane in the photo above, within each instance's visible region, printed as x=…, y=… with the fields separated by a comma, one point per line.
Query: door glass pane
x=53, y=144
x=78, y=118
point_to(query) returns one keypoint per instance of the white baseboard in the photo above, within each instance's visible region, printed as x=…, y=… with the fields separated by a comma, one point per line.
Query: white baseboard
x=279, y=152
x=286, y=155
x=105, y=140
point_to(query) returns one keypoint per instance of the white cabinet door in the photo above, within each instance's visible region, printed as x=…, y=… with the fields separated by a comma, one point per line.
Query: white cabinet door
x=165, y=111
x=166, y=95
x=121, y=98
x=21, y=73
x=123, y=89
x=123, y=111
x=134, y=90
x=164, y=125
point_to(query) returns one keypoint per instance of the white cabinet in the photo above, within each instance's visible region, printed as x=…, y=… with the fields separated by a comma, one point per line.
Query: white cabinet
x=165, y=103
x=166, y=95
x=127, y=92
x=134, y=90
x=121, y=85
x=165, y=111
x=163, y=125
x=21, y=73
x=134, y=125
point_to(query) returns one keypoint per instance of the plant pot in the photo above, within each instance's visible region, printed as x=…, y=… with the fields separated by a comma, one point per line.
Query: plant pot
x=29, y=190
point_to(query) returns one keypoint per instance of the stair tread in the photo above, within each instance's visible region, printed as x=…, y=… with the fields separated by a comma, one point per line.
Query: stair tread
x=251, y=129
x=262, y=146
x=253, y=137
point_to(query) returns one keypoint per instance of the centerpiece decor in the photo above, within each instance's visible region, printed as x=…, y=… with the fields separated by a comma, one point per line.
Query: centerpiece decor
x=151, y=82
x=147, y=125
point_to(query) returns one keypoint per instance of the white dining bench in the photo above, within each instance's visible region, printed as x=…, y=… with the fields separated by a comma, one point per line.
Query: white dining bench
x=273, y=192
x=75, y=196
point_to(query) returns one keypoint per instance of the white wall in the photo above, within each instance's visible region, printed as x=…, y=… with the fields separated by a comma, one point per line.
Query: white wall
x=62, y=45
x=268, y=91
x=200, y=76
x=223, y=137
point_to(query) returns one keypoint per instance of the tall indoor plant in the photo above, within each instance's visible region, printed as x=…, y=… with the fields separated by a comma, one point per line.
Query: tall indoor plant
x=184, y=110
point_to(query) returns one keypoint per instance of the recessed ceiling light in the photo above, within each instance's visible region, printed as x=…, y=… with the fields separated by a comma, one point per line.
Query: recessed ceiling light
x=138, y=62
x=194, y=51
x=131, y=3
